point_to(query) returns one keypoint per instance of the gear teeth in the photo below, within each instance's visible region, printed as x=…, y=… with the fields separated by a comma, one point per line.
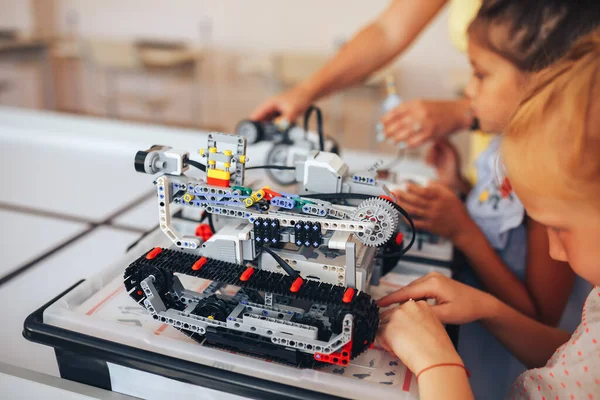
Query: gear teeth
x=384, y=228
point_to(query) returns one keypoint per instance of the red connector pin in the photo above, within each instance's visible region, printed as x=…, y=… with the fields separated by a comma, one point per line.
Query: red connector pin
x=399, y=238
x=204, y=231
x=199, y=264
x=153, y=253
x=246, y=274
x=296, y=285
x=348, y=295
x=269, y=194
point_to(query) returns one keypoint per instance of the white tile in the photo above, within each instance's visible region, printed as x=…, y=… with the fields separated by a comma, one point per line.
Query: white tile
x=25, y=236
x=144, y=216
x=27, y=292
x=87, y=183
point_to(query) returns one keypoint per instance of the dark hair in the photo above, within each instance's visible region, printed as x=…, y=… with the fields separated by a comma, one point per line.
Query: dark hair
x=532, y=34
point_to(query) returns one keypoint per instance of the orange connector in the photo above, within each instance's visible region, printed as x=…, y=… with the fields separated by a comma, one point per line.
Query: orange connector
x=388, y=198
x=153, y=253
x=269, y=194
x=199, y=263
x=348, y=295
x=247, y=274
x=296, y=285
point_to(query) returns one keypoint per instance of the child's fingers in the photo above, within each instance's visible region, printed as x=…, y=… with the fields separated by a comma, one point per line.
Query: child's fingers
x=403, y=134
x=417, y=290
x=399, y=129
x=396, y=113
x=412, y=210
x=384, y=317
x=415, y=200
x=444, y=312
x=422, y=224
x=265, y=111
x=432, y=154
x=380, y=340
x=426, y=192
x=416, y=281
x=418, y=139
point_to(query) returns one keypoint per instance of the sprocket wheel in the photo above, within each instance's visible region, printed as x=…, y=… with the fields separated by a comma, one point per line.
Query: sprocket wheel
x=383, y=215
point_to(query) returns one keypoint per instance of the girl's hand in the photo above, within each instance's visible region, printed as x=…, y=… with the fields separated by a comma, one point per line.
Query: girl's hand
x=456, y=303
x=288, y=105
x=416, y=122
x=416, y=336
x=444, y=157
x=437, y=209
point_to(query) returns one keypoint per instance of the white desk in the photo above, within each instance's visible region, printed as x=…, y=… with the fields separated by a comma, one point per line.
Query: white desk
x=27, y=236
x=27, y=292
x=71, y=180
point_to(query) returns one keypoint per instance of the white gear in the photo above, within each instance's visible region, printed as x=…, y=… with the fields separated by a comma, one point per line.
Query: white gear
x=381, y=213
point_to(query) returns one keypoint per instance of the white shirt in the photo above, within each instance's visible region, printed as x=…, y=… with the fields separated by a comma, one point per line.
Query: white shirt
x=573, y=372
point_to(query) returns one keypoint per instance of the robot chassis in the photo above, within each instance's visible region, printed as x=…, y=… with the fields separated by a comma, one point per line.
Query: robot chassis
x=289, y=144
x=302, y=264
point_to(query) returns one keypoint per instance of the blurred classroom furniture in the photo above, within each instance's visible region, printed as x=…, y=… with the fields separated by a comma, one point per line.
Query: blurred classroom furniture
x=207, y=66
x=22, y=60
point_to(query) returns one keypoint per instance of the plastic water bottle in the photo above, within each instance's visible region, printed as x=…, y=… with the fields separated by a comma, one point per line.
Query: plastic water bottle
x=392, y=101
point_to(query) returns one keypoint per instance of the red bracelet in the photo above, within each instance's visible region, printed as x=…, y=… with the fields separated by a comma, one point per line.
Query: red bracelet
x=444, y=365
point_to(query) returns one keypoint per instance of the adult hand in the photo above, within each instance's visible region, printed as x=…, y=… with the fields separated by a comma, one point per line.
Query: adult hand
x=416, y=336
x=437, y=209
x=444, y=157
x=456, y=303
x=288, y=105
x=415, y=122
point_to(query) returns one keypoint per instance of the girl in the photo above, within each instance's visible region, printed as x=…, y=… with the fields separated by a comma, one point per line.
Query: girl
x=509, y=40
x=551, y=152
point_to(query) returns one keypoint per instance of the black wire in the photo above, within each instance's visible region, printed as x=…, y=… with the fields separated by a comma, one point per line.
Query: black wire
x=286, y=267
x=203, y=216
x=270, y=167
x=198, y=165
x=210, y=223
x=360, y=196
x=307, y=115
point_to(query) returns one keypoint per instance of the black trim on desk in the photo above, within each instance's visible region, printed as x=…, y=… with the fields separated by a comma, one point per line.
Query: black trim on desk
x=101, y=350
x=50, y=214
x=134, y=203
x=427, y=261
x=23, y=268
x=45, y=213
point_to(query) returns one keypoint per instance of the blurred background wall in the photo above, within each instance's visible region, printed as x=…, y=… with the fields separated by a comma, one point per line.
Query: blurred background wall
x=207, y=64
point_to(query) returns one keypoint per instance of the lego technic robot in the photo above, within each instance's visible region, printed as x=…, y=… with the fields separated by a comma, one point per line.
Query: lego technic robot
x=302, y=263
x=290, y=143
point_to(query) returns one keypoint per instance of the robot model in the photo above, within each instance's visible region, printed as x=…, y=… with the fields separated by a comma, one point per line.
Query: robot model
x=302, y=263
x=290, y=143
